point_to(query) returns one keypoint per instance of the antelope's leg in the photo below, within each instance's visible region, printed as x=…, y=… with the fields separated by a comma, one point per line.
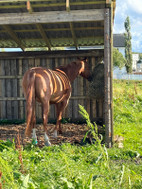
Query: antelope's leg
x=33, y=123
x=45, y=119
x=34, y=137
x=59, y=109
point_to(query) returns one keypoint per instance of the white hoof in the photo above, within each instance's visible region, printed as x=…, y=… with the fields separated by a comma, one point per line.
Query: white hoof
x=34, y=137
x=34, y=141
x=46, y=139
x=55, y=134
x=47, y=143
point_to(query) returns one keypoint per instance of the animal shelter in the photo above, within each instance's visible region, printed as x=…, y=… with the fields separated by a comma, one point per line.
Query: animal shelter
x=51, y=33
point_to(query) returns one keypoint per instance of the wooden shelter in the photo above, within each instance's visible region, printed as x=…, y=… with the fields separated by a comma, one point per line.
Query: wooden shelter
x=52, y=24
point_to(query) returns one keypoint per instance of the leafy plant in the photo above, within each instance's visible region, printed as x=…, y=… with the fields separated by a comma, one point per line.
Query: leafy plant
x=92, y=127
x=118, y=59
x=93, y=130
x=5, y=144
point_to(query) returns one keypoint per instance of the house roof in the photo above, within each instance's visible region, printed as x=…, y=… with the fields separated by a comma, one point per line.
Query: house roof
x=118, y=40
x=139, y=62
x=52, y=23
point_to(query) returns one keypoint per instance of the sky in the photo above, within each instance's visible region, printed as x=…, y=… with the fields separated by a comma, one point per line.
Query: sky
x=133, y=9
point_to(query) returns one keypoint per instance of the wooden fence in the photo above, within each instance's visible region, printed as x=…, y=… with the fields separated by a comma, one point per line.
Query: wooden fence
x=14, y=65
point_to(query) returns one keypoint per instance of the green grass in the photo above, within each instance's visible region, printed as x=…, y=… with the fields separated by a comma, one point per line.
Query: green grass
x=83, y=167
x=128, y=113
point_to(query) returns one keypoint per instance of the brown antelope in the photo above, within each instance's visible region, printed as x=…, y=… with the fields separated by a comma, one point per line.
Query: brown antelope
x=50, y=87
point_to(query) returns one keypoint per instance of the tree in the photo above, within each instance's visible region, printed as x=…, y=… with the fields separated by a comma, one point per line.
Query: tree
x=128, y=46
x=140, y=55
x=118, y=59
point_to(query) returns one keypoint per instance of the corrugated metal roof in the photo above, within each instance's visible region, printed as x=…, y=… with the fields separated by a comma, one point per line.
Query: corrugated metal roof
x=118, y=40
x=52, y=23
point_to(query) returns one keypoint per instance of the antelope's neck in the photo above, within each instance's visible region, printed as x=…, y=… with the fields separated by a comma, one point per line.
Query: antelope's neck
x=71, y=74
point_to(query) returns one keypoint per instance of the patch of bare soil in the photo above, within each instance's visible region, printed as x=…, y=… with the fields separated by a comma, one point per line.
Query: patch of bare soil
x=71, y=133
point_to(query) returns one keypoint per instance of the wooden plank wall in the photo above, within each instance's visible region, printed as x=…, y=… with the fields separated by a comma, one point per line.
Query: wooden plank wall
x=12, y=102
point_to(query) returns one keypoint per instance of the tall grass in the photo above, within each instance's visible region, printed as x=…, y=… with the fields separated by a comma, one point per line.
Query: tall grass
x=83, y=167
x=128, y=113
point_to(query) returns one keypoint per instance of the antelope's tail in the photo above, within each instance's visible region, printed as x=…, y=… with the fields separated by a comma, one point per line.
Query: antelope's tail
x=30, y=101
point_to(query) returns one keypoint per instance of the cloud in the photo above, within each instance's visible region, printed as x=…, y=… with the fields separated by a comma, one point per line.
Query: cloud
x=136, y=45
x=121, y=9
x=137, y=35
x=135, y=5
x=133, y=9
x=136, y=41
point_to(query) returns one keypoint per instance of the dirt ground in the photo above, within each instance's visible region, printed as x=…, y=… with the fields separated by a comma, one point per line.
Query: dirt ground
x=72, y=133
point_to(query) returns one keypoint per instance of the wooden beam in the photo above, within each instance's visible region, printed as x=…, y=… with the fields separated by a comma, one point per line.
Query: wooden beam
x=52, y=54
x=39, y=27
x=108, y=1
x=18, y=1
x=53, y=17
x=44, y=36
x=41, y=5
x=23, y=99
x=38, y=3
x=108, y=78
x=114, y=6
x=14, y=36
x=12, y=98
x=67, y=5
x=56, y=29
x=73, y=35
x=10, y=77
x=71, y=25
x=29, y=7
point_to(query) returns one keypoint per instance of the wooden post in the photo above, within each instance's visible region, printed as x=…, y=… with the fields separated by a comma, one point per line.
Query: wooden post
x=111, y=78
x=108, y=78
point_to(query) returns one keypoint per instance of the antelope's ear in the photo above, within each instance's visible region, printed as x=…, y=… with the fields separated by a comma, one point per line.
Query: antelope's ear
x=85, y=59
x=82, y=58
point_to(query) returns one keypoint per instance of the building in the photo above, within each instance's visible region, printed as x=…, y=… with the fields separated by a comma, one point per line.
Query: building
x=119, y=42
x=139, y=66
x=135, y=58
